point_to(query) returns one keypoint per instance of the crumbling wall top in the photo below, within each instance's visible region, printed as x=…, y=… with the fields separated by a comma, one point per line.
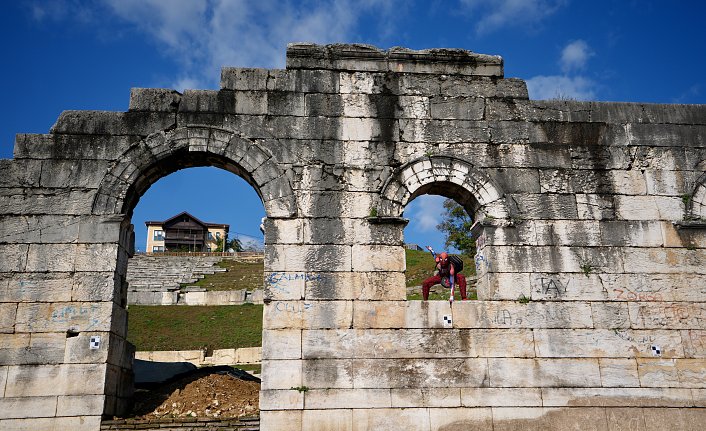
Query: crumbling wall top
x=367, y=58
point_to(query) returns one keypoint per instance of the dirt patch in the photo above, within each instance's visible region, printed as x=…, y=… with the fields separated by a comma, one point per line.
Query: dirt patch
x=213, y=395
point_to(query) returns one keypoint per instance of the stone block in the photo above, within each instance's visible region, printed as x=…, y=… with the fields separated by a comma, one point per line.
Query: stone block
x=308, y=314
x=74, y=173
x=501, y=397
x=550, y=206
x=648, y=207
x=694, y=342
x=80, y=405
x=20, y=173
x=281, y=374
x=284, y=231
x=517, y=419
x=652, y=287
x=595, y=207
x=678, y=419
x=38, y=229
x=610, y=315
x=46, y=380
x=675, y=373
x=568, y=232
x=32, y=349
x=380, y=286
x=281, y=420
x=21, y=201
x=420, y=373
x=154, y=99
x=112, y=123
x=460, y=418
x=324, y=420
x=366, y=258
x=616, y=397
x=638, y=233
x=625, y=419
x=664, y=260
x=328, y=373
x=208, y=101
x=457, y=108
x=606, y=343
x=27, y=407
x=619, y=372
x=76, y=423
x=699, y=397
x=565, y=372
x=79, y=351
x=58, y=257
x=506, y=314
x=347, y=398
x=672, y=315
x=3, y=379
x=417, y=343
x=282, y=344
x=241, y=78
x=562, y=287
x=379, y=314
x=251, y=102
x=391, y=419
x=288, y=399
x=503, y=286
x=14, y=257
x=65, y=316
x=8, y=312
x=447, y=131
x=426, y=397
x=308, y=258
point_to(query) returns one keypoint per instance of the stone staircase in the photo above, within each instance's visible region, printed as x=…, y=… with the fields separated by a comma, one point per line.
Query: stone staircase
x=155, y=279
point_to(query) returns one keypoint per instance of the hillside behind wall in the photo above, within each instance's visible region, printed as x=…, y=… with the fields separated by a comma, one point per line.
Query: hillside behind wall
x=591, y=247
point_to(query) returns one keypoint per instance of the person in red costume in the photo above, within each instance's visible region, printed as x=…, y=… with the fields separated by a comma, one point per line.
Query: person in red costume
x=447, y=276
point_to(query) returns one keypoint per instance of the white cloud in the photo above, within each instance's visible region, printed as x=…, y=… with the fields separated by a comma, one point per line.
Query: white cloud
x=575, y=55
x=561, y=87
x=206, y=35
x=496, y=14
x=425, y=212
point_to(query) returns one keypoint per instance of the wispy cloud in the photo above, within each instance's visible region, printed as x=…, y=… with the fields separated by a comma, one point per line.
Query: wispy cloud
x=207, y=35
x=425, y=212
x=574, y=56
x=561, y=87
x=571, y=85
x=496, y=14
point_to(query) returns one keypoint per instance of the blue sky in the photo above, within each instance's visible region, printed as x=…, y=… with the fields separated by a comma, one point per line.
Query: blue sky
x=70, y=54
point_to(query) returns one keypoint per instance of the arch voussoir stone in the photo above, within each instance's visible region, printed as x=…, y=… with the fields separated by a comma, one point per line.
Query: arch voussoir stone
x=407, y=180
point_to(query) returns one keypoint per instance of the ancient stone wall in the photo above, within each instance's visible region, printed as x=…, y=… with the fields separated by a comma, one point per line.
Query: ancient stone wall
x=591, y=234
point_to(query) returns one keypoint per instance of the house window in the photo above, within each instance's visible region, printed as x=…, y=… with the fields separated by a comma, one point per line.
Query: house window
x=210, y=236
x=218, y=235
x=159, y=235
x=157, y=248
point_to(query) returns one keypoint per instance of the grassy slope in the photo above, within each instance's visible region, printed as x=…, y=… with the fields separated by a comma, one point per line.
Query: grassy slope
x=181, y=327
x=240, y=275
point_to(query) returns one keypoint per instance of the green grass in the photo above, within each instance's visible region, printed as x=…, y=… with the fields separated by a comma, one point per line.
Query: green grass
x=240, y=275
x=181, y=327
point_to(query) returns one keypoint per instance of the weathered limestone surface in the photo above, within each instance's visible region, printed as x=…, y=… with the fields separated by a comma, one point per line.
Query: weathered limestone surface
x=591, y=259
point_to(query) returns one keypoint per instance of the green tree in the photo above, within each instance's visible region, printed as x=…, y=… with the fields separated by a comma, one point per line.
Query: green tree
x=456, y=224
x=231, y=243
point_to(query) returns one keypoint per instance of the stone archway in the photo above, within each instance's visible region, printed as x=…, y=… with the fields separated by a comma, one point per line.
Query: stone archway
x=157, y=156
x=447, y=176
x=165, y=152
